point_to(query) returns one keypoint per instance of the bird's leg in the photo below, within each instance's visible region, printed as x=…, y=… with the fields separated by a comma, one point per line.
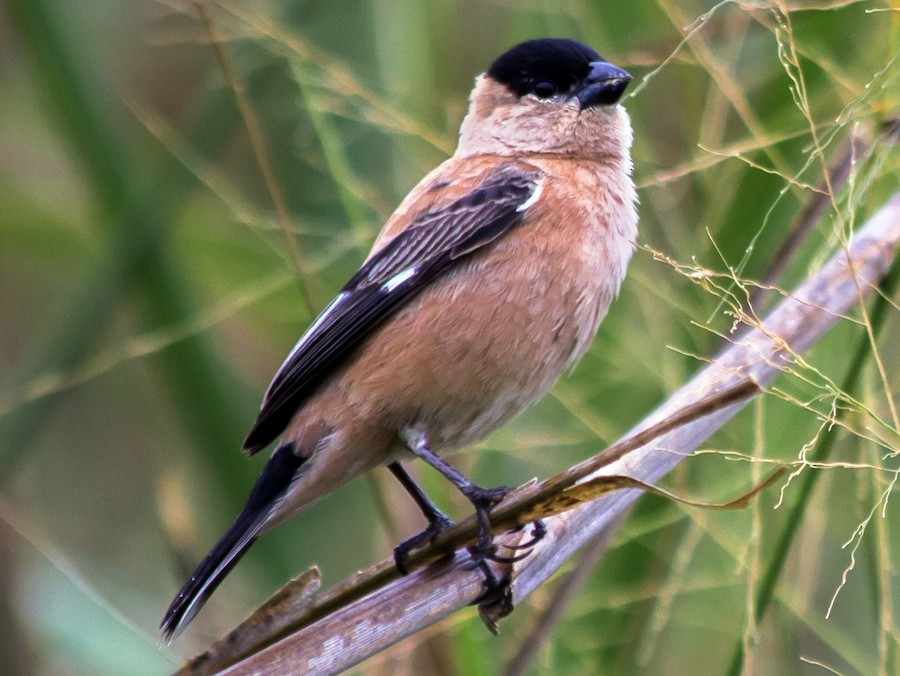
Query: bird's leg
x=437, y=520
x=482, y=499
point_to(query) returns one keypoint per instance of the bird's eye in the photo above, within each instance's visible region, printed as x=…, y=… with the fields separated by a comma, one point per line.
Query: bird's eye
x=544, y=90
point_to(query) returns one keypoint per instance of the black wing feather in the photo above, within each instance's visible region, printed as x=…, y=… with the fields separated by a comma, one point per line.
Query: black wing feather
x=387, y=281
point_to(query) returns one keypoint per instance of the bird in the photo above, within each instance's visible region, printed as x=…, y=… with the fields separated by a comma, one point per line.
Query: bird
x=486, y=284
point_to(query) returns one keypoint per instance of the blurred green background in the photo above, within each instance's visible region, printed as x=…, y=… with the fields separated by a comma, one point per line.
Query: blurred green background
x=150, y=285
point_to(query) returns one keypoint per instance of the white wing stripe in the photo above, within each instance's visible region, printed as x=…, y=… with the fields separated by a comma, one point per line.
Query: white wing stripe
x=399, y=278
x=531, y=200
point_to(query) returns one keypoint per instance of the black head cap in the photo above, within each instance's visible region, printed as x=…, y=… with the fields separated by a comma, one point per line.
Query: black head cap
x=544, y=67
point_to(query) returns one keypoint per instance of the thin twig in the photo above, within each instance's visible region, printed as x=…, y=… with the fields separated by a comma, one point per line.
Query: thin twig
x=811, y=213
x=260, y=151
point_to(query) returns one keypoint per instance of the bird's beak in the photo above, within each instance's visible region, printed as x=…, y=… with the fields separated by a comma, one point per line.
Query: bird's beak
x=603, y=86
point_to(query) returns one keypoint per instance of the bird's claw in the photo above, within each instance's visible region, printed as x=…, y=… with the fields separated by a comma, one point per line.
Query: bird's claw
x=538, y=531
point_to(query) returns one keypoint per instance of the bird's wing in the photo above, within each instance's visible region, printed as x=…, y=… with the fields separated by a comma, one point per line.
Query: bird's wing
x=433, y=243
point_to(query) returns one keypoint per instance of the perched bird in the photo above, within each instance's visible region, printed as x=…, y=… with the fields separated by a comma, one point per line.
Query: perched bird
x=486, y=283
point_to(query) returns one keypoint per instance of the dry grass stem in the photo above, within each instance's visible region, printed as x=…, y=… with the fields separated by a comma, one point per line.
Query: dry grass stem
x=393, y=609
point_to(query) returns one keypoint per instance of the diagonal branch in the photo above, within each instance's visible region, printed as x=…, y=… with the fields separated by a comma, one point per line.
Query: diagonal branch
x=334, y=634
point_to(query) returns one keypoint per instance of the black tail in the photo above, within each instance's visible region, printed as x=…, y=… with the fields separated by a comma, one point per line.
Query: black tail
x=273, y=483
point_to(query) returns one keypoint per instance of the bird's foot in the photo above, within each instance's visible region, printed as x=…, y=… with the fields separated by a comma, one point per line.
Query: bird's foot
x=403, y=550
x=494, y=591
x=485, y=498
